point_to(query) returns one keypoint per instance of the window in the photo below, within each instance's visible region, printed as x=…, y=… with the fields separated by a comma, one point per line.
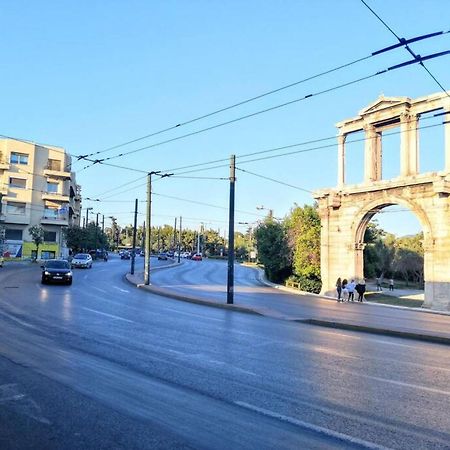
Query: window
x=13, y=235
x=50, y=213
x=50, y=236
x=18, y=183
x=54, y=164
x=15, y=208
x=46, y=254
x=18, y=158
x=52, y=187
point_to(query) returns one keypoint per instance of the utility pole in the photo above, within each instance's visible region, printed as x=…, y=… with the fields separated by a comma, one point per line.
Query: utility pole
x=148, y=216
x=96, y=235
x=148, y=222
x=133, y=253
x=87, y=215
x=103, y=223
x=230, y=278
x=198, y=242
x=175, y=235
x=179, y=242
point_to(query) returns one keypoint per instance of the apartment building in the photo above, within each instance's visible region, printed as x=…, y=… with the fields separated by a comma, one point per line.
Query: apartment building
x=37, y=187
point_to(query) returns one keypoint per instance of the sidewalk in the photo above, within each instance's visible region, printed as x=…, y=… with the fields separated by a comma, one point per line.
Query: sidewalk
x=322, y=311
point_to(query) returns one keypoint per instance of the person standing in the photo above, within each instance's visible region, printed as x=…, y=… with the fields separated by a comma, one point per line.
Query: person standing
x=339, y=289
x=344, y=290
x=351, y=290
x=379, y=284
x=361, y=289
x=391, y=284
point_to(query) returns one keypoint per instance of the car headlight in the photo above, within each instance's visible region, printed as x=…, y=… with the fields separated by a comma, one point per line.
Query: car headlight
x=46, y=273
x=68, y=274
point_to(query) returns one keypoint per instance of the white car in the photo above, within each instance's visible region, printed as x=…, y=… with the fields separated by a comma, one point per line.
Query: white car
x=82, y=260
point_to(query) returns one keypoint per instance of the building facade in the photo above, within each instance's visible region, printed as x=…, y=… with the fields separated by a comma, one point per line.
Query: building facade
x=37, y=187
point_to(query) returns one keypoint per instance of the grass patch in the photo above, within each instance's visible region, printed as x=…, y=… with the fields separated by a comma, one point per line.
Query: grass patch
x=389, y=300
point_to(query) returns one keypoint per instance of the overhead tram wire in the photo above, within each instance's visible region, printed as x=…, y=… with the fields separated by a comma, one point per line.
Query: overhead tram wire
x=274, y=180
x=404, y=43
x=264, y=94
x=307, y=150
x=324, y=91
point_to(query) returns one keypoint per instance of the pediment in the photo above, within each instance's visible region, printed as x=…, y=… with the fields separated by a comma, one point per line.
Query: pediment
x=382, y=103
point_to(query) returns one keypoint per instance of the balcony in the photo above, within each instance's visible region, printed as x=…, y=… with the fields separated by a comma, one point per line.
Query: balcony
x=56, y=169
x=55, y=197
x=51, y=219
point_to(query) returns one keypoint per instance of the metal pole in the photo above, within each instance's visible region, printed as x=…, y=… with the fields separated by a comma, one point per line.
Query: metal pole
x=148, y=231
x=179, y=243
x=133, y=253
x=96, y=235
x=230, y=278
x=175, y=235
x=87, y=217
x=103, y=223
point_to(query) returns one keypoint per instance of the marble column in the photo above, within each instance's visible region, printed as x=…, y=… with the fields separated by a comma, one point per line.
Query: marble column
x=341, y=160
x=409, y=163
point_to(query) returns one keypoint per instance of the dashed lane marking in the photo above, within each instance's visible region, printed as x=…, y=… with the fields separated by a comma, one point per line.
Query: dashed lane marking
x=312, y=427
x=112, y=316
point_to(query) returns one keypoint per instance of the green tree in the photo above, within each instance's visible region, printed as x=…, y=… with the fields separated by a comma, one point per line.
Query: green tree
x=37, y=234
x=273, y=250
x=304, y=239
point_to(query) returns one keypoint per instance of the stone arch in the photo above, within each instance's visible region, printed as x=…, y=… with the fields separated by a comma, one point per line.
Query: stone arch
x=346, y=209
x=370, y=209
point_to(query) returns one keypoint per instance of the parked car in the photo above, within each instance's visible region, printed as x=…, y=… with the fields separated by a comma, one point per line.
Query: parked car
x=197, y=257
x=162, y=256
x=142, y=253
x=170, y=254
x=56, y=270
x=82, y=260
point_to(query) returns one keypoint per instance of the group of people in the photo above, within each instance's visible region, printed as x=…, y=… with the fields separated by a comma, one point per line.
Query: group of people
x=346, y=291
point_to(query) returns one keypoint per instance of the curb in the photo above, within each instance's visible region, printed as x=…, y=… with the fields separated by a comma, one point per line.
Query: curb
x=189, y=299
x=263, y=280
x=373, y=330
x=317, y=322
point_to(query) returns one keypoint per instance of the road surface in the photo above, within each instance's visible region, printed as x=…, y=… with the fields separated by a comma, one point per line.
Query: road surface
x=101, y=364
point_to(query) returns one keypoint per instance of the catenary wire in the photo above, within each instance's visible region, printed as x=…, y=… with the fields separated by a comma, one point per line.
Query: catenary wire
x=265, y=94
x=403, y=42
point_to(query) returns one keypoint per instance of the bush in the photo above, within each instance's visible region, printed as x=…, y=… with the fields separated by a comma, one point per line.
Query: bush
x=308, y=284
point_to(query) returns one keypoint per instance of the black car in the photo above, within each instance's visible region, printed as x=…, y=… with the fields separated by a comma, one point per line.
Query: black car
x=56, y=270
x=162, y=256
x=125, y=255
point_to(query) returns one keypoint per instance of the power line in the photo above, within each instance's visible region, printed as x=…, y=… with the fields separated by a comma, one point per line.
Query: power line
x=328, y=146
x=404, y=43
x=259, y=96
x=272, y=108
x=275, y=181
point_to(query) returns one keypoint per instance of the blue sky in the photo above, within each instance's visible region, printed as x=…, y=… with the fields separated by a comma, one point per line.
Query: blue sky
x=89, y=75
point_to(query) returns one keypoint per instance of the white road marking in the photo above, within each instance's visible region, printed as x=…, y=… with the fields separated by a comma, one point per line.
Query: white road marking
x=312, y=427
x=195, y=315
x=409, y=385
x=98, y=289
x=121, y=290
x=107, y=315
x=15, y=319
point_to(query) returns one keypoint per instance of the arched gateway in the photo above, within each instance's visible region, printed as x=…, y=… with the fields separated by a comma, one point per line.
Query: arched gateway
x=346, y=210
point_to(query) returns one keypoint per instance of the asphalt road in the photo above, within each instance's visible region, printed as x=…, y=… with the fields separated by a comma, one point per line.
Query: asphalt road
x=207, y=279
x=101, y=364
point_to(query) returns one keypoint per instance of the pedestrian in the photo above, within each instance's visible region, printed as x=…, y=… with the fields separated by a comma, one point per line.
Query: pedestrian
x=344, y=290
x=361, y=289
x=391, y=284
x=351, y=291
x=339, y=289
x=379, y=284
